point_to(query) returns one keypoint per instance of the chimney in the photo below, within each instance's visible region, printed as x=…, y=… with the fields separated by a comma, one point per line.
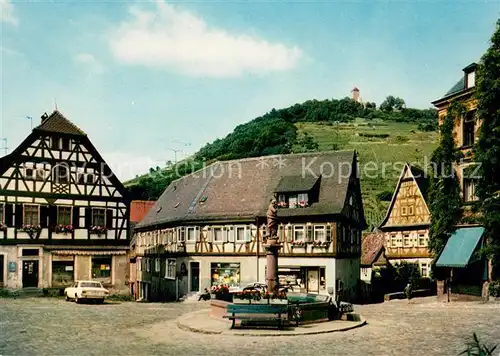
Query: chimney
x=44, y=117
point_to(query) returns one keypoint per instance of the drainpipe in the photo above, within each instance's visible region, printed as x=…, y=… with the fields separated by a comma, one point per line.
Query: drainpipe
x=176, y=289
x=258, y=246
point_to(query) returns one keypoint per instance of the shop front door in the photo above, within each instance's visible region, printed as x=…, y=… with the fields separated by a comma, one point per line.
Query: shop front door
x=30, y=274
x=195, y=277
x=313, y=280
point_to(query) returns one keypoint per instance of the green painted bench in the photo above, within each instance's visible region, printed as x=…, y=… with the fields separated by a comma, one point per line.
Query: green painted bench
x=250, y=312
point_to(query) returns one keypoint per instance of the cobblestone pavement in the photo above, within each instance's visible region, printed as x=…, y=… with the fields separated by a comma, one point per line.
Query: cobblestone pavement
x=42, y=326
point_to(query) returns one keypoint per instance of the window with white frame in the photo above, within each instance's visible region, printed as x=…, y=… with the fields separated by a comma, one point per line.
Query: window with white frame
x=406, y=240
x=230, y=233
x=31, y=215
x=469, y=190
x=320, y=233
x=471, y=79
x=148, y=265
x=157, y=265
x=422, y=241
x=170, y=270
x=241, y=233
x=191, y=234
x=98, y=217
x=392, y=241
x=299, y=233
x=181, y=237
x=218, y=234
x=424, y=270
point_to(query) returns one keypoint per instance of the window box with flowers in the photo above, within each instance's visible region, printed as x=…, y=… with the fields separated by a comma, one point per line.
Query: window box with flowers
x=302, y=244
x=63, y=229
x=282, y=204
x=259, y=297
x=302, y=204
x=98, y=230
x=322, y=244
x=31, y=230
x=221, y=292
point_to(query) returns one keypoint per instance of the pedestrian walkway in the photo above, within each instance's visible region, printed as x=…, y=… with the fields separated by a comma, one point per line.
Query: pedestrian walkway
x=200, y=322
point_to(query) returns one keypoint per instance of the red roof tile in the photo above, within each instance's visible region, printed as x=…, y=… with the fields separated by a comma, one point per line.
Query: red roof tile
x=370, y=248
x=139, y=209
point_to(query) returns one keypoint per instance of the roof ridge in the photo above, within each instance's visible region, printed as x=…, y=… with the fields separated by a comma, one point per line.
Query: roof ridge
x=320, y=153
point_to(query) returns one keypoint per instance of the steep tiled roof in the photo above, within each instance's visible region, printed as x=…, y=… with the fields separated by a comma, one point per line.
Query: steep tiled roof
x=296, y=183
x=421, y=180
x=56, y=122
x=242, y=188
x=371, y=246
x=457, y=88
x=139, y=209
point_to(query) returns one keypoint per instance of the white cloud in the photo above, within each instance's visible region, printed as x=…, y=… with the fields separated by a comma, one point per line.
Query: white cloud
x=174, y=39
x=7, y=13
x=89, y=61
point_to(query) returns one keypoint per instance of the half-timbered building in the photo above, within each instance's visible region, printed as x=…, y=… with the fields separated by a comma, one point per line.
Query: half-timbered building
x=208, y=227
x=63, y=213
x=406, y=224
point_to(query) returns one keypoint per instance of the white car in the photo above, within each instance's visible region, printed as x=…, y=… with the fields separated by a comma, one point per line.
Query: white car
x=86, y=290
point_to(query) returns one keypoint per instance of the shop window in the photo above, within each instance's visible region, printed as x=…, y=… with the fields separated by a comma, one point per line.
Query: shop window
x=64, y=215
x=101, y=269
x=62, y=272
x=31, y=215
x=225, y=273
x=299, y=233
x=171, y=269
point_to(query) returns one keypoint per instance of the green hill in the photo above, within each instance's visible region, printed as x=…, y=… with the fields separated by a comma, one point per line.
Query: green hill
x=385, y=139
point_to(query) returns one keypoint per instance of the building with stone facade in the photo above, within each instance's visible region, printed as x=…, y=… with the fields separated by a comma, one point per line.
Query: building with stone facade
x=63, y=213
x=467, y=272
x=208, y=228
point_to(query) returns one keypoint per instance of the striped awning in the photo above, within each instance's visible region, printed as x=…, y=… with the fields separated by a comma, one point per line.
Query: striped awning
x=88, y=252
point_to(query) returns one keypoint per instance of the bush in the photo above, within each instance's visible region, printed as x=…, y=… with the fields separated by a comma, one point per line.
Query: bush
x=120, y=298
x=370, y=135
x=494, y=289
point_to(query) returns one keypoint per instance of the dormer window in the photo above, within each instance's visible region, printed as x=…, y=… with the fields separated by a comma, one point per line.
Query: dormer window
x=296, y=191
x=471, y=79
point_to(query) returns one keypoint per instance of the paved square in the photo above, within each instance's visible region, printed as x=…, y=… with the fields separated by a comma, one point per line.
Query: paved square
x=42, y=326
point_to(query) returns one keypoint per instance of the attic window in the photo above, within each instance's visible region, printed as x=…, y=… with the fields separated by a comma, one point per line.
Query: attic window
x=203, y=199
x=471, y=79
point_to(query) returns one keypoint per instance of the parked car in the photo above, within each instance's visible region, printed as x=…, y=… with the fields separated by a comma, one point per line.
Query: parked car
x=86, y=290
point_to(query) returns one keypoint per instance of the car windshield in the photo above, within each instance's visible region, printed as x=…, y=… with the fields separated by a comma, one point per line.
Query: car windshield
x=90, y=285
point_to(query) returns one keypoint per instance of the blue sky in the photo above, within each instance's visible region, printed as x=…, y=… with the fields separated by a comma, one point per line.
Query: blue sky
x=143, y=78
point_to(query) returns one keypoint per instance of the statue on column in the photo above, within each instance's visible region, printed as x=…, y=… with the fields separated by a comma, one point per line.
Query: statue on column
x=272, y=220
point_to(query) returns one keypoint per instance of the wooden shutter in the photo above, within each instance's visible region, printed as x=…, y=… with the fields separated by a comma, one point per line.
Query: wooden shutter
x=88, y=217
x=9, y=214
x=109, y=219
x=197, y=233
x=76, y=217
x=19, y=216
x=52, y=215
x=44, y=214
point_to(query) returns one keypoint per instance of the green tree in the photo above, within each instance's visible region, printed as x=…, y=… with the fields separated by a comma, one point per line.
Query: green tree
x=445, y=203
x=392, y=103
x=487, y=148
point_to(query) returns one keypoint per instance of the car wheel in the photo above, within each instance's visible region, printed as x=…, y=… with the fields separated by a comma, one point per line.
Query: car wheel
x=76, y=299
x=67, y=298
